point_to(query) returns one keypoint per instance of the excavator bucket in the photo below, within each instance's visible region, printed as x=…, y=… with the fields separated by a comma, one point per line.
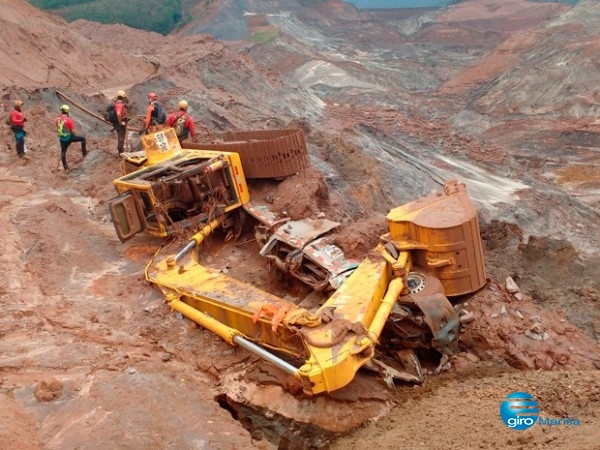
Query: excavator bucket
x=443, y=234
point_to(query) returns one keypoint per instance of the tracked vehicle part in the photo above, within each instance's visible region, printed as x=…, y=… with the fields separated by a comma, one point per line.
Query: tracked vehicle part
x=264, y=153
x=416, y=282
x=296, y=247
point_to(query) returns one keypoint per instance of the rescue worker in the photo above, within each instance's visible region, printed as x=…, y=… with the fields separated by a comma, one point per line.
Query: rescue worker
x=66, y=135
x=182, y=122
x=121, y=107
x=17, y=120
x=154, y=114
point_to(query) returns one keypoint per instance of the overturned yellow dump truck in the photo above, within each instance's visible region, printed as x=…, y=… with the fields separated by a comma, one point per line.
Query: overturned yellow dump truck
x=396, y=297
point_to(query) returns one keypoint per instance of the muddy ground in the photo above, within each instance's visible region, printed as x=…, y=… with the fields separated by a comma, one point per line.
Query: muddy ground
x=91, y=357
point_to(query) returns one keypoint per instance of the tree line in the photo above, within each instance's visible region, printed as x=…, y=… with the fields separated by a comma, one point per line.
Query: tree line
x=161, y=16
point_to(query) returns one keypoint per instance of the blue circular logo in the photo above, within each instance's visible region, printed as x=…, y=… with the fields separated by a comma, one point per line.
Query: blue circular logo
x=519, y=411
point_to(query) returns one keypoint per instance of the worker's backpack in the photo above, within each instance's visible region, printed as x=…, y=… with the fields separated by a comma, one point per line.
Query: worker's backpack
x=179, y=125
x=111, y=114
x=62, y=131
x=158, y=114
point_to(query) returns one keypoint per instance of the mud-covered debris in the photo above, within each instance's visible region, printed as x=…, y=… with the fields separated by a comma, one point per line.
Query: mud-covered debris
x=48, y=390
x=444, y=365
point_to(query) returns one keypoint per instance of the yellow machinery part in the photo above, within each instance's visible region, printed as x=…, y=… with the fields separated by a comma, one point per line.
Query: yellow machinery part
x=340, y=337
x=443, y=232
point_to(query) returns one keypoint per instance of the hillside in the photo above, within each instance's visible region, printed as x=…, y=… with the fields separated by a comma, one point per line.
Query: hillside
x=499, y=95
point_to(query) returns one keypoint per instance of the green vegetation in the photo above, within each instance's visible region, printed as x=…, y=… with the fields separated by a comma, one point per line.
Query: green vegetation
x=161, y=16
x=260, y=35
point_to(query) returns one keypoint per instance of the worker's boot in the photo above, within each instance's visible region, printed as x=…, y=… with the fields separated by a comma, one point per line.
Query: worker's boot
x=63, y=158
x=21, y=149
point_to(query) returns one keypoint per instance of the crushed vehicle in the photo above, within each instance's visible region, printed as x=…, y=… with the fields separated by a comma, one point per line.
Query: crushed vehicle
x=395, y=300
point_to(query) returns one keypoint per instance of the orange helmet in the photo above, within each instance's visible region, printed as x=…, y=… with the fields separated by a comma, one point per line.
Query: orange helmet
x=18, y=103
x=121, y=93
x=183, y=105
x=152, y=96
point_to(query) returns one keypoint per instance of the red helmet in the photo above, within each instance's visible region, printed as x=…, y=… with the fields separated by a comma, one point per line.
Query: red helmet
x=152, y=96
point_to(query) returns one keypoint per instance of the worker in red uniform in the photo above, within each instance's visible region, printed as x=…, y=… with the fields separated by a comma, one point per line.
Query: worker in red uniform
x=154, y=113
x=182, y=122
x=121, y=107
x=17, y=120
x=66, y=135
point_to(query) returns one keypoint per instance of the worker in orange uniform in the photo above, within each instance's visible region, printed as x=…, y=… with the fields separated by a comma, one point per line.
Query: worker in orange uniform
x=121, y=107
x=154, y=113
x=65, y=128
x=17, y=120
x=182, y=122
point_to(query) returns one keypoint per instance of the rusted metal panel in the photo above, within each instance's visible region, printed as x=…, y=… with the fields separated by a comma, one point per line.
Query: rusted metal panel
x=264, y=153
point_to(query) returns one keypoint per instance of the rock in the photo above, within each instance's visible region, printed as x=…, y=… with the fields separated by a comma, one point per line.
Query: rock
x=466, y=316
x=471, y=357
x=503, y=311
x=518, y=296
x=48, y=390
x=545, y=336
x=536, y=328
x=518, y=314
x=511, y=286
x=165, y=356
x=543, y=362
x=534, y=336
